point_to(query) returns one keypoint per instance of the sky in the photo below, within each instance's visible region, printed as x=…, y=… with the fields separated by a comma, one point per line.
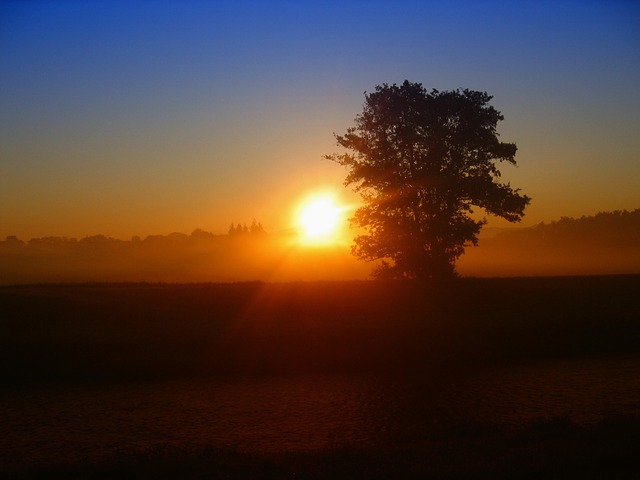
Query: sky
x=149, y=117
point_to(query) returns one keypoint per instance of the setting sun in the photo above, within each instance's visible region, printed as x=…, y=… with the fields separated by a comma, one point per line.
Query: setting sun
x=319, y=219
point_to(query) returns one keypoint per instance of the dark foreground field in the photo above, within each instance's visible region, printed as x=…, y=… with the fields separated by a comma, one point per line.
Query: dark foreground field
x=555, y=449
x=116, y=332
x=61, y=336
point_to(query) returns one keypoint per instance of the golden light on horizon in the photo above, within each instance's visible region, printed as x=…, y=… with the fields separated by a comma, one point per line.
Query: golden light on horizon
x=319, y=220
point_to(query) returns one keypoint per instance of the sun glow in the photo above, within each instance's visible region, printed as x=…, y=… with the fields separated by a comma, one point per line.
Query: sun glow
x=319, y=220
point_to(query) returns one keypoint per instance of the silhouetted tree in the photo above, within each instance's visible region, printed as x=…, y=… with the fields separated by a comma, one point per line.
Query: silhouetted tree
x=421, y=161
x=256, y=228
x=13, y=241
x=237, y=230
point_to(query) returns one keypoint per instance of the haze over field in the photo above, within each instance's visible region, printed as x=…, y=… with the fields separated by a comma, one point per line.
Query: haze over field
x=144, y=118
x=607, y=243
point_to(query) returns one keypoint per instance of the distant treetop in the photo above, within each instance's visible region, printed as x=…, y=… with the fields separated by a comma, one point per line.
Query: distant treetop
x=254, y=229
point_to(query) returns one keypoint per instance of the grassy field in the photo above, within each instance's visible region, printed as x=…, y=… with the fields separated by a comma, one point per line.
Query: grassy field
x=110, y=333
x=114, y=332
x=554, y=449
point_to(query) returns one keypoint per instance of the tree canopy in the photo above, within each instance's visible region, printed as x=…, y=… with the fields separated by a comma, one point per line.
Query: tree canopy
x=421, y=162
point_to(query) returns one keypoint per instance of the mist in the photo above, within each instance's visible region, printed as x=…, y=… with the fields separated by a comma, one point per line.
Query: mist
x=177, y=257
x=606, y=243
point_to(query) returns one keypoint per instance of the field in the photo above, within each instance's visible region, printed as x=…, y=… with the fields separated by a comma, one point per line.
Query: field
x=113, y=332
x=67, y=335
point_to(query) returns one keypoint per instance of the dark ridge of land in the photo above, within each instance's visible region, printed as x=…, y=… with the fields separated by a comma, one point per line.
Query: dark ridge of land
x=127, y=332
x=552, y=449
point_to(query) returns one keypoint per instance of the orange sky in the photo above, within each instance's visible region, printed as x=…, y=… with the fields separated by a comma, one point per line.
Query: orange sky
x=135, y=119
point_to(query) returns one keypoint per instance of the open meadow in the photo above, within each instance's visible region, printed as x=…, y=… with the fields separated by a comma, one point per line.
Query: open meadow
x=478, y=377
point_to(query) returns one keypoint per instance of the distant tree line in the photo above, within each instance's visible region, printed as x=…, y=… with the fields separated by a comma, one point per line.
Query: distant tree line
x=200, y=256
x=605, y=243
x=620, y=228
x=255, y=229
x=197, y=236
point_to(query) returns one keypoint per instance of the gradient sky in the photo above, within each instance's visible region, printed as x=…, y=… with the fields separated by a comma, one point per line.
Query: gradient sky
x=148, y=117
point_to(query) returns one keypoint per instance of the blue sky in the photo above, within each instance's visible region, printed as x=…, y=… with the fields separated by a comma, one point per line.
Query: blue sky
x=135, y=118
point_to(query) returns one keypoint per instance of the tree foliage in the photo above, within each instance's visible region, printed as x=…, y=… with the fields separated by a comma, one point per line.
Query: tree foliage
x=421, y=162
x=256, y=229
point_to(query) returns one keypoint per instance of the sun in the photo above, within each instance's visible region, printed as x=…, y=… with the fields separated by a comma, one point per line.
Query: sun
x=319, y=220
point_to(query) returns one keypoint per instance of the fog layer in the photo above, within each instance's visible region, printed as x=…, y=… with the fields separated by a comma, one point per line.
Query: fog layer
x=601, y=244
